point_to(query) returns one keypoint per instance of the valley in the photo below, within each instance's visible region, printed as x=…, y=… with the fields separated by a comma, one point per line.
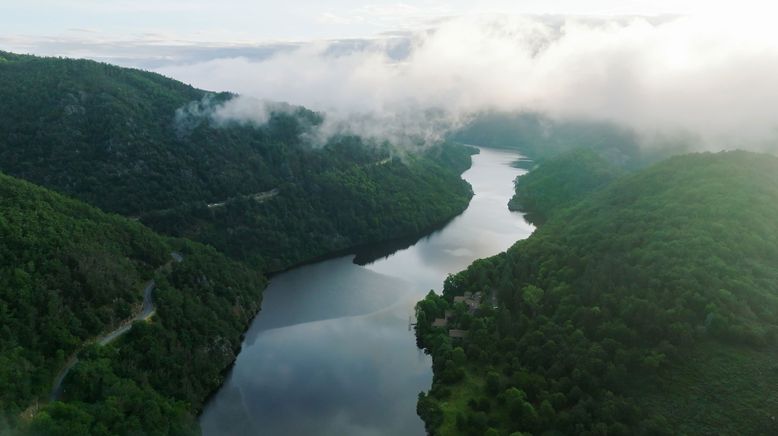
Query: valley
x=331, y=352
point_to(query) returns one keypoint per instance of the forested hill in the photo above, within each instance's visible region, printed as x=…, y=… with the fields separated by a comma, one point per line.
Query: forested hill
x=650, y=307
x=265, y=194
x=262, y=194
x=70, y=273
x=563, y=180
x=109, y=136
x=335, y=209
x=540, y=137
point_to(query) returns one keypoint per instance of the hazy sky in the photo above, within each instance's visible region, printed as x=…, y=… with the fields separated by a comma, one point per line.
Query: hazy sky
x=252, y=21
x=702, y=67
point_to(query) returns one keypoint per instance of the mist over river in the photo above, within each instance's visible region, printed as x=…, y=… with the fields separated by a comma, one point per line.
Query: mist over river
x=331, y=352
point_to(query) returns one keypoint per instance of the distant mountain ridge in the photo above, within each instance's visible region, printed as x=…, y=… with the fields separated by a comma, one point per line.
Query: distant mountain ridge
x=107, y=135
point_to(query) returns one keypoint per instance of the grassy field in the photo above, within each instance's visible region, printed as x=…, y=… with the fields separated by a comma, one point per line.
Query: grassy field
x=471, y=386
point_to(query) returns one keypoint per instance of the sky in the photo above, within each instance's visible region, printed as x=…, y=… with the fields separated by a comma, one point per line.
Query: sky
x=25, y=22
x=702, y=68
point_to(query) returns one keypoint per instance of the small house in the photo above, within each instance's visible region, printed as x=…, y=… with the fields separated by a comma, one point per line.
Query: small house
x=457, y=334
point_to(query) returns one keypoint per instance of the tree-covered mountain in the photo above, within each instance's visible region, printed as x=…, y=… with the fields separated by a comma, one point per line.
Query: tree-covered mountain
x=149, y=147
x=335, y=209
x=110, y=136
x=649, y=307
x=564, y=180
x=70, y=273
x=540, y=137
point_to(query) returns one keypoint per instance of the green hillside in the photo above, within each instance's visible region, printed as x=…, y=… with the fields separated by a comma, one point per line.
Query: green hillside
x=263, y=194
x=333, y=210
x=564, y=180
x=650, y=307
x=70, y=273
x=145, y=146
x=108, y=135
x=540, y=137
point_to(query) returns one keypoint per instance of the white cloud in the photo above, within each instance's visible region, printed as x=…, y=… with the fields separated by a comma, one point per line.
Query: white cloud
x=711, y=76
x=333, y=18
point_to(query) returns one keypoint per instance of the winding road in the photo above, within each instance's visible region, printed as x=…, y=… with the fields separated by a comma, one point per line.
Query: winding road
x=146, y=311
x=258, y=197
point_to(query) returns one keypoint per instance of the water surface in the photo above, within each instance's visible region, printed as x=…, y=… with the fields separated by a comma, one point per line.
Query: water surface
x=331, y=352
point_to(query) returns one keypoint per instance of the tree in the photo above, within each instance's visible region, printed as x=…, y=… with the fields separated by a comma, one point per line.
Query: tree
x=532, y=295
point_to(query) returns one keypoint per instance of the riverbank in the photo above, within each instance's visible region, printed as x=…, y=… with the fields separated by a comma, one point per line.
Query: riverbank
x=330, y=328
x=604, y=325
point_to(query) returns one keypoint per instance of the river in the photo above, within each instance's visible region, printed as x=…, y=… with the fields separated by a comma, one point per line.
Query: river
x=331, y=352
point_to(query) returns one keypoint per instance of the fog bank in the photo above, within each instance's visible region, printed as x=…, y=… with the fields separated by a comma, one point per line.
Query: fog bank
x=712, y=77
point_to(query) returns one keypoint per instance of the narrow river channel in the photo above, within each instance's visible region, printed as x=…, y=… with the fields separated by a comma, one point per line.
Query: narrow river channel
x=331, y=352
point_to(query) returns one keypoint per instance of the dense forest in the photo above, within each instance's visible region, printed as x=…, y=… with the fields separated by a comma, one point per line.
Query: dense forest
x=71, y=272
x=564, y=180
x=110, y=136
x=340, y=207
x=540, y=137
x=264, y=197
x=650, y=306
x=145, y=146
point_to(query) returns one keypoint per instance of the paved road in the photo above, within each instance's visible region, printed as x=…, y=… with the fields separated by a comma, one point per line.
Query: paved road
x=146, y=311
x=260, y=197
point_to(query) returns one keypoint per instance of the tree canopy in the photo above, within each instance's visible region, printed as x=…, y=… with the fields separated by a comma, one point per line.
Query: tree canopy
x=650, y=306
x=263, y=197
x=143, y=145
x=564, y=180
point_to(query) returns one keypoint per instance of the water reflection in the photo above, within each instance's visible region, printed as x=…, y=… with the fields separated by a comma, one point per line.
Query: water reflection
x=331, y=353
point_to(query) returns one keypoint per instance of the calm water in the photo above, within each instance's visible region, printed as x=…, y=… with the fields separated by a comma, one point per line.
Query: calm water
x=331, y=352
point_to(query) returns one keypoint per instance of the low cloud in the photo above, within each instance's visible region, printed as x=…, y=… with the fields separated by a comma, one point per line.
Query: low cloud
x=224, y=110
x=713, y=78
